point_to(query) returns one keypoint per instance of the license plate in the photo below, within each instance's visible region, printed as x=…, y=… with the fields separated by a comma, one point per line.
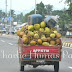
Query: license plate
x=27, y=58
x=40, y=61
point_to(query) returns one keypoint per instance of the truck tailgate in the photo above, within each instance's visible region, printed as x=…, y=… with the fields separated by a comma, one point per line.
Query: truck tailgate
x=41, y=52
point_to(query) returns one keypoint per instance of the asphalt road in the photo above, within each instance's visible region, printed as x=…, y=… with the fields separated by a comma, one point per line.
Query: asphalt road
x=9, y=60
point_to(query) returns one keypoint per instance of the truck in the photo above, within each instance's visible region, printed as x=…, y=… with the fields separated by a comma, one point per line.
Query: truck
x=39, y=55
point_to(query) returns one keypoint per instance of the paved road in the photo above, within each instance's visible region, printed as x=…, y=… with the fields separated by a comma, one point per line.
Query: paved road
x=8, y=50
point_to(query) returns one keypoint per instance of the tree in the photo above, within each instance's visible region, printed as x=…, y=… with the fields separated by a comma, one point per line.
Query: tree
x=68, y=1
x=57, y=12
x=48, y=9
x=12, y=13
x=19, y=17
x=64, y=20
x=69, y=11
x=25, y=18
x=2, y=14
x=40, y=8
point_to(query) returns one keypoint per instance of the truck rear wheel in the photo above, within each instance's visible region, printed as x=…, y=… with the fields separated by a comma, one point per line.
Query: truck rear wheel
x=21, y=68
x=34, y=66
x=56, y=67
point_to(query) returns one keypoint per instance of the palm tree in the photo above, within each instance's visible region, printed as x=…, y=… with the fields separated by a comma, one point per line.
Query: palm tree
x=49, y=8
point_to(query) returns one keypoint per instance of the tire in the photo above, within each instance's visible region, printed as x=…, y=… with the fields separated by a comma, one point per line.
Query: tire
x=21, y=68
x=56, y=67
x=19, y=58
x=34, y=66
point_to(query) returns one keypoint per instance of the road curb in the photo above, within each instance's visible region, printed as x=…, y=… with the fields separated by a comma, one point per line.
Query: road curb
x=67, y=44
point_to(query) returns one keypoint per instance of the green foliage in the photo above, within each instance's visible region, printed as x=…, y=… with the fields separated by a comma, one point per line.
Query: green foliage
x=43, y=10
x=64, y=20
x=40, y=8
x=48, y=9
x=70, y=7
x=57, y=12
x=66, y=17
x=25, y=18
x=68, y=1
x=19, y=17
x=70, y=12
x=2, y=14
x=12, y=13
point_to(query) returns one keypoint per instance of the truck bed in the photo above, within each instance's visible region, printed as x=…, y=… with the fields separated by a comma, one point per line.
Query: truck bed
x=31, y=53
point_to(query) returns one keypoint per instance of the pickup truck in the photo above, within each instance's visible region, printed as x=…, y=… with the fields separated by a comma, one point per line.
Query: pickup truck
x=39, y=55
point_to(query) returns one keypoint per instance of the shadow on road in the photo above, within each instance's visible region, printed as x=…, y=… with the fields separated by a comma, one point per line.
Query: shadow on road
x=38, y=70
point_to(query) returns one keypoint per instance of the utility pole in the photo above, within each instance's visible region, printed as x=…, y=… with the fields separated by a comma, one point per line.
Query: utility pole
x=35, y=6
x=6, y=7
x=5, y=14
x=5, y=11
x=10, y=14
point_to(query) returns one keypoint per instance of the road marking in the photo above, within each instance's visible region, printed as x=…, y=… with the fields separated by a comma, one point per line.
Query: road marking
x=70, y=67
x=10, y=44
x=66, y=47
x=2, y=40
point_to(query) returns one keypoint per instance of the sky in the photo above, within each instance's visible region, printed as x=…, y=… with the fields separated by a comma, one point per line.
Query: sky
x=28, y=5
